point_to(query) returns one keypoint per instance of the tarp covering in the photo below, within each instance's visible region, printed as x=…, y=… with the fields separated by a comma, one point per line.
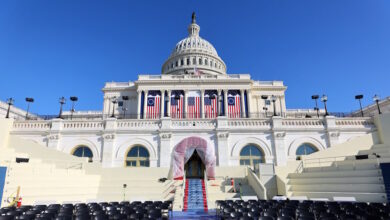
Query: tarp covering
x=183, y=152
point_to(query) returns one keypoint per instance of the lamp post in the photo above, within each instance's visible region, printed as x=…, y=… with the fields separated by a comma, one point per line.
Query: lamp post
x=376, y=99
x=124, y=109
x=315, y=98
x=359, y=97
x=273, y=99
x=28, y=100
x=62, y=101
x=114, y=100
x=10, y=102
x=324, y=99
x=265, y=97
x=73, y=99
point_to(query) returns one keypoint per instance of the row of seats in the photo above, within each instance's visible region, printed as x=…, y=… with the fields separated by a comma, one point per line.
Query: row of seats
x=301, y=210
x=90, y=211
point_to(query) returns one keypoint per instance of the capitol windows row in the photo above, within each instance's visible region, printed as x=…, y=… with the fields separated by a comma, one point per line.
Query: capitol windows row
x=137, y=156
x=187, y=62
x=252, y=155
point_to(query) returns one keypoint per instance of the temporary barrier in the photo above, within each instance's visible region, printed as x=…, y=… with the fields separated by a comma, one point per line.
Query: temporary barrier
x=3, y=171
x=183, y=152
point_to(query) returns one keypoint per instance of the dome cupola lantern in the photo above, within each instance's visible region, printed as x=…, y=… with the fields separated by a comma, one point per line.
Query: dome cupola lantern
x=194, y=55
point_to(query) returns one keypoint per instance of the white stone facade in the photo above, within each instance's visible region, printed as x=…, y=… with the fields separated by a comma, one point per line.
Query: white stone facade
x=263, y=122
x=110, y=139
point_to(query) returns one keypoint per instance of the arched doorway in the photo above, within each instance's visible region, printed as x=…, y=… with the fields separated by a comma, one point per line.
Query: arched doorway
x=184, y=151
x=194, y=168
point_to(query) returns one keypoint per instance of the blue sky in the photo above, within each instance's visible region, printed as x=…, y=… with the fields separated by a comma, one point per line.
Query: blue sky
x=68, y=48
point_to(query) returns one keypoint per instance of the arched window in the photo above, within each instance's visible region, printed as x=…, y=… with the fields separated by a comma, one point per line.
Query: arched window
x=82, y=151
x=251, y=155
x=206, y=62
x=306, y=149
x=200, y=61
x=138, y=156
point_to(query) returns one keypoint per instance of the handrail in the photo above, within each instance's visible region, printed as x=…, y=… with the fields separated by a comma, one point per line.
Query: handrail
x=183, y=188
x=205, y=179
x=300, y=167
x=334, y=159
x=256, y=184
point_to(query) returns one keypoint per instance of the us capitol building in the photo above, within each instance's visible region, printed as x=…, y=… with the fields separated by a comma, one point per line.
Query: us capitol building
x=194, y=105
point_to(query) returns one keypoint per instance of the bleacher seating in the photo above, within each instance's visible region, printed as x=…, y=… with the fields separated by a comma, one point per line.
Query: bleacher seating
x=300, y=210
x=90, y=211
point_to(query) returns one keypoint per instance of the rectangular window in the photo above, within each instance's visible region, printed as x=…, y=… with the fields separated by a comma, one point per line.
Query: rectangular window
x=181, y=62
x=188, y=61
x=131, y=163
x=120, y=103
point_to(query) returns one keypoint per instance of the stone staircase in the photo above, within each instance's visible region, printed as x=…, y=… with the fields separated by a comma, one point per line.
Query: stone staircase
x=342, y=178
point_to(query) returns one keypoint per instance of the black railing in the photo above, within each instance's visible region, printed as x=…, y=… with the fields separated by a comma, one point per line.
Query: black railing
x=252, y=115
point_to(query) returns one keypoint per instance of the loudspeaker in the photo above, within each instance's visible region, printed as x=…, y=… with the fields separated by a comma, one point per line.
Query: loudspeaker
x=361, y=157
x=22, y=160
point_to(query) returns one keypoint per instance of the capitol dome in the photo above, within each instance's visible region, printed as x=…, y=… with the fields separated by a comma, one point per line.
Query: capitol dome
x=193, y=54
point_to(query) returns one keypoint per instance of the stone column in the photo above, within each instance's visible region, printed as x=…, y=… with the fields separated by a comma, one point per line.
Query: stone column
x=332, y=131
x=53, y=138
x=139, y=104
x=242, y=99
x=169, y=103
x=218, y=102
x=279, y=147
x=223, y=148
x=249, y=100
x=185, y=104
x=162, y=104
x=108, y=138
x=202, y=103
x=145, y=103
x=225, y=101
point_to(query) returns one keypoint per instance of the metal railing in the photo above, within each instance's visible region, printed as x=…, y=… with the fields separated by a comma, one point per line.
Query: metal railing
x=174, y=115
x=331, y=161
x=50, y=166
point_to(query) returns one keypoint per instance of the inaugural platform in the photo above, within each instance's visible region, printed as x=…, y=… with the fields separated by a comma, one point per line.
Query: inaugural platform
x=197, y=139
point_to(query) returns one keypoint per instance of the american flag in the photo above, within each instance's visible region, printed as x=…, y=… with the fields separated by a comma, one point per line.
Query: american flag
x=197, y=72
x=210, y=107
x=193, y=107
x=234, y=105
x=177, y=107
x=153, y=106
